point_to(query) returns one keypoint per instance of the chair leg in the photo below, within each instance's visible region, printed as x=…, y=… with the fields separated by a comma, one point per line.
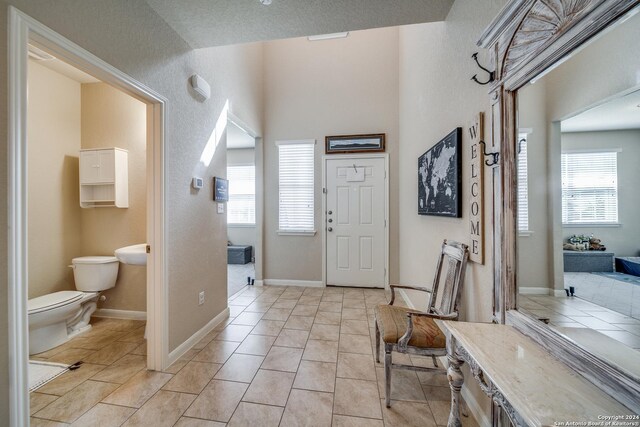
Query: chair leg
x=387, y=376
x=377, y=343
x=435, y=361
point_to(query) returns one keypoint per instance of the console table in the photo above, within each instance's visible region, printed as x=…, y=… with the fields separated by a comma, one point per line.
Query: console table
x=529, y=384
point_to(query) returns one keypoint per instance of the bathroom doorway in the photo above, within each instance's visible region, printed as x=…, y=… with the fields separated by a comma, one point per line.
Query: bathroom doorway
x=24, y=33
x=244, y=212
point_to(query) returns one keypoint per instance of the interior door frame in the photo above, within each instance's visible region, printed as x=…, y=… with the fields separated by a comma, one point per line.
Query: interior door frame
x=258, y=159
x=325, y=158
x=22, y=30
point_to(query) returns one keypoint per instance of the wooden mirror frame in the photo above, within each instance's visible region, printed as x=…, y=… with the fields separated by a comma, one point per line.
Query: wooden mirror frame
x=527, y=38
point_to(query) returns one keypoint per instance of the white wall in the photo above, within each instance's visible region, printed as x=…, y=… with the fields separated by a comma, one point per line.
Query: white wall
x=131, y=37
x=314, y=89
x=242, y=235
x=623, y=240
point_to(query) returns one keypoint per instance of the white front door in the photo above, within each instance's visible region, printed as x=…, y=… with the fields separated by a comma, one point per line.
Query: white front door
x=355, y=222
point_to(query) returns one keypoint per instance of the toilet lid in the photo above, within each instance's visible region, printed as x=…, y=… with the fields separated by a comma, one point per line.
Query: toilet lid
x=94, y=260
x=50, y=301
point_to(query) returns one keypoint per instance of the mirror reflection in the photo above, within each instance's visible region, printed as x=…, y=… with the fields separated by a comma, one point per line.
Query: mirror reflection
x=578, y=162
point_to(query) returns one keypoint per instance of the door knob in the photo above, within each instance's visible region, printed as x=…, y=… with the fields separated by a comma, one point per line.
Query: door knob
x=329, y=229
x=330, y=220
x=330, y=212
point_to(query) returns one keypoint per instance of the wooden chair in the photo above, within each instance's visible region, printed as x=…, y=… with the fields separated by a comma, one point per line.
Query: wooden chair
x=415, y=332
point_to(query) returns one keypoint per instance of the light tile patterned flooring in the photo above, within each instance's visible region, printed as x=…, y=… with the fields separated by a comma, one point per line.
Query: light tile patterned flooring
x=287, y=356
x=574, y=312
x=613, y=294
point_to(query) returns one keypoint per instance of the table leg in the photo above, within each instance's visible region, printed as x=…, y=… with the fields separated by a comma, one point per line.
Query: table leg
x=454, y=374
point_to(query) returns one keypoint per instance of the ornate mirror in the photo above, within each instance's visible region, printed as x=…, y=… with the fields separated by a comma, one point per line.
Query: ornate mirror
x=565, y=108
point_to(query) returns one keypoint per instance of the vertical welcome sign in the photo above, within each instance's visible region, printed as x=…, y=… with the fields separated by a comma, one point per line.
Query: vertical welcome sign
x=476, y=189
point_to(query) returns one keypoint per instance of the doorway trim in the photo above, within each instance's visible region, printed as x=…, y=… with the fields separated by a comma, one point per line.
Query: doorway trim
x=258, y=159
x=325, y=158
x=22, y=30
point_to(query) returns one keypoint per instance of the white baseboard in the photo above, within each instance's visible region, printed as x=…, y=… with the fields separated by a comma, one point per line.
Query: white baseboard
x=259, y=283
x=534, y=291
x=120, y=314
x=193, y=339
x=481, y=417
x=559, y=293
x=307, y=283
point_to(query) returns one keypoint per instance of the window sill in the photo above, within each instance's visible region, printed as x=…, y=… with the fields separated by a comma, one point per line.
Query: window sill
x=241, y=225
x=296, y=233
x=525, y=233
x=593, y=225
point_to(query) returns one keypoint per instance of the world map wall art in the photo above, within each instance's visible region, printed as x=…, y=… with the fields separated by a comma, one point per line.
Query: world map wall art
x=440, y=177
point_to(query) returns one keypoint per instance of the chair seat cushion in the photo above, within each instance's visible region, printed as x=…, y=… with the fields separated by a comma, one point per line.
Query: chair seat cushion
x=393, y=322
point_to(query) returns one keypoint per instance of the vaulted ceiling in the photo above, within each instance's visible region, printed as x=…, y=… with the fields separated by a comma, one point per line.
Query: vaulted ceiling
x=206, y=23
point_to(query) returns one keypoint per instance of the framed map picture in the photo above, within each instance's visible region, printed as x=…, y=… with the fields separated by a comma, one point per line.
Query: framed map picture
x=440, y=177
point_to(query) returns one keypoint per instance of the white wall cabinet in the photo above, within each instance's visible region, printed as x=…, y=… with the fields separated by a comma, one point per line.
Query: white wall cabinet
x=104, y=178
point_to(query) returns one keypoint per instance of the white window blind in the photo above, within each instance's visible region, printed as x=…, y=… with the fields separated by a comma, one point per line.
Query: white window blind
x=523, y=184
x=241, y=207
x=589, y=187
x=296, y=208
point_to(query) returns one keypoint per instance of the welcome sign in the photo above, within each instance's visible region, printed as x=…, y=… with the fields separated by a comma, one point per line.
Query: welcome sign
x=476, y=189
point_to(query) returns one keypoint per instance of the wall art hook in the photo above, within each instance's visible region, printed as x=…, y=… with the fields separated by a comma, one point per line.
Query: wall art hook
x=475, y=76
x=495, y=157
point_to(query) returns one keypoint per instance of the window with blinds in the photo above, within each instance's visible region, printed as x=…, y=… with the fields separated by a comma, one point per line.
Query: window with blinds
x=523, y=184
x=241, y=207
x=590, y=187
x=296, y=183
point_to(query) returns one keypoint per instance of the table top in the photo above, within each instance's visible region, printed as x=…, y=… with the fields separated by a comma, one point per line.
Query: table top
x=540, y=388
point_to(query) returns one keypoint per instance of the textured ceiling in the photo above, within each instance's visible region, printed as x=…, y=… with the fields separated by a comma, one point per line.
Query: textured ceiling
x=206, y=23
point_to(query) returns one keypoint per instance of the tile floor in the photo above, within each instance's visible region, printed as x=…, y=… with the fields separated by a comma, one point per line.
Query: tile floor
x=613, y=294
x=286, y=356
x=578, y=313
x=237, y=276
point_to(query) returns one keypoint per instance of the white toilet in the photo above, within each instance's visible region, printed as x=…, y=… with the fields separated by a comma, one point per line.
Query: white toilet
x=55, y=318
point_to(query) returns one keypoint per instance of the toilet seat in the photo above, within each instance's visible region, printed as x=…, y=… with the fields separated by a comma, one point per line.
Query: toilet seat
x=54, y=300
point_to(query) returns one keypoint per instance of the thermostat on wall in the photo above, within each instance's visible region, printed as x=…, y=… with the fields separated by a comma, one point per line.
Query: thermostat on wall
x=197, y=183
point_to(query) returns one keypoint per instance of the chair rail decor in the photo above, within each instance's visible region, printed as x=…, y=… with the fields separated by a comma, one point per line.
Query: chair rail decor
x=342, y=144
x=440, y=177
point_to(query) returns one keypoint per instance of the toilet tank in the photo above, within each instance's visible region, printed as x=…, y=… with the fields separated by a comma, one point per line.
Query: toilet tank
x=95, y=273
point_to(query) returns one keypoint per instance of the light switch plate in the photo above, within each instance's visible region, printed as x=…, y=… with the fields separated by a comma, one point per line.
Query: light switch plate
x=220, y=208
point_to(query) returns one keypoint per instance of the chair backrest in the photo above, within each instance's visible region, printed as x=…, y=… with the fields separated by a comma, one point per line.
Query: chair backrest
x=453, y=258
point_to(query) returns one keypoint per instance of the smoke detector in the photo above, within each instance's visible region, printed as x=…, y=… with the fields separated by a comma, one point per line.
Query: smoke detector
x=265, y=2
x=38, y=54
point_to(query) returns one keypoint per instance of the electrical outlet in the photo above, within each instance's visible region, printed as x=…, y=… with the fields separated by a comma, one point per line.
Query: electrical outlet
x=201, y=298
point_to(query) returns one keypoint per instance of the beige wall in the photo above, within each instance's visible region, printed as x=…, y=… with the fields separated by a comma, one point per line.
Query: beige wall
x=314, y=89
x=436, y=96
x=534, y=250
x=131, y=37
x=111, y=118
x=242, y=235
x=623, y=240
x=53, y=131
